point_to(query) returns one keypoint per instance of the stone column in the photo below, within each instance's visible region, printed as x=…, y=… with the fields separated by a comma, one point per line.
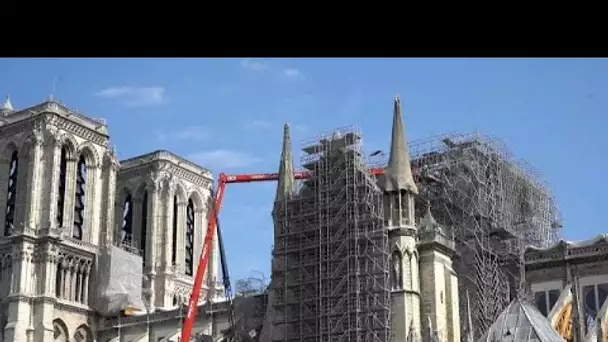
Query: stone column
x=19, y=312
x=137, y=212
x=154, y=208
x=91, y=205
x=74, y=287
x=34, y=179
x=44, y=310
x=54, y=174
x=109, y=226
x=85, y=285
x=181, y=235
x=200, y=229
x=63, y=291
x=168, y=227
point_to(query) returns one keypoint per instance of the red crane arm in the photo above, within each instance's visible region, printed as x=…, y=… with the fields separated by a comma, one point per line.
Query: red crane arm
x=211, y=229
x=264, y=177
x=203, y=261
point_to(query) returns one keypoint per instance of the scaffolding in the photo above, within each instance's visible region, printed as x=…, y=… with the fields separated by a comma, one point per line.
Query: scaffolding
x=495, y=206
x=250, y=307
x=330, y=258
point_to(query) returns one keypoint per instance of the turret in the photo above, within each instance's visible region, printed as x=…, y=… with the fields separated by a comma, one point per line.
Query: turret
x=439, y=283
x=399, y=202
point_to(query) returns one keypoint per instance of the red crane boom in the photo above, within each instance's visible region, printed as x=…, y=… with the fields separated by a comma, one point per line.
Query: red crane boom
x=203, y=263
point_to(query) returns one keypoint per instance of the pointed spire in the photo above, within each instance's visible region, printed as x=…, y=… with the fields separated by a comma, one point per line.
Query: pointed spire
x=398, y=174
x=286, y=170
x=7, y=106
x=429, y=227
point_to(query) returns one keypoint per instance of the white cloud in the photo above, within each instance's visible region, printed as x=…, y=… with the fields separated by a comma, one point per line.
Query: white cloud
x=259, y=125
x=135, y=96
x=301, y=128
x=224, y=159
x=191, y=133
x=293, y=73
x=254, y=64
x=262, y=125
x=264, y=66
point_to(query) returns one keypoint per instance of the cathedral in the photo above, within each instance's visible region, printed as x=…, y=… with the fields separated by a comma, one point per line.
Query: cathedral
x=78, y=223
x=97, y=249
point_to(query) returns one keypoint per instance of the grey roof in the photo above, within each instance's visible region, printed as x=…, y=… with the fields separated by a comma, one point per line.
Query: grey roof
x=286, y=171
x=398, y=173
x=521, y=322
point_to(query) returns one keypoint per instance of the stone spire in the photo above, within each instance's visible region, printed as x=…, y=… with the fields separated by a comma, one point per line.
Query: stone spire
x=398, y=174
x=428, y=225
x=286, y=170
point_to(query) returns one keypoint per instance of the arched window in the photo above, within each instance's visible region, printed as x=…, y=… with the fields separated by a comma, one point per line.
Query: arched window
x=79, y=199
x=9, y=219
x=63, y=165
x=127, y=221
x=189, y=257
x=174, y=242
x=144, y=226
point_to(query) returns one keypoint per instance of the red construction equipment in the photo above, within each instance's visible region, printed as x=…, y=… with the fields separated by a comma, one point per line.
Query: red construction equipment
x=201, y=270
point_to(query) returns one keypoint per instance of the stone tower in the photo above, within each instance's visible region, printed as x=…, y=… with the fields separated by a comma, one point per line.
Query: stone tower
x=440, y=284
x=399, y=201
x=162, y=203
x=55, y=172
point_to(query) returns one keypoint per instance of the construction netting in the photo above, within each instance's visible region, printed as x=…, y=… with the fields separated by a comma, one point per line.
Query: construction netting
x=119, y=281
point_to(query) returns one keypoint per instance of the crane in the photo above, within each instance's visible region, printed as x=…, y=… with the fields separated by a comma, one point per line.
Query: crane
x=213, y=228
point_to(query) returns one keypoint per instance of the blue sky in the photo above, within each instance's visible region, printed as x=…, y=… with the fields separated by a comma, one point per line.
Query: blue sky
x=227, y=115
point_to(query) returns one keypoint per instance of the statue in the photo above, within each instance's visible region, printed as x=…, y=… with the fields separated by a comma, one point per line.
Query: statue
x=397, y=270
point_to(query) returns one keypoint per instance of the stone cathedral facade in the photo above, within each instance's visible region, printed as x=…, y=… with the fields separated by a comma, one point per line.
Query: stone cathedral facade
x=65, y=196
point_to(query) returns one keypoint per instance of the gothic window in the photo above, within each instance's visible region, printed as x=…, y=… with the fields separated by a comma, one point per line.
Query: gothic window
x=189, y=258
x=127, y=221
x=144, y=225
x=174, y=242
x=594, y=297
x=9, y=219
x=79, y=199
x=63, y=163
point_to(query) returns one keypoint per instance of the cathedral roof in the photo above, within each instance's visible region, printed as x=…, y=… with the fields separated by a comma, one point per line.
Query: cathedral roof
x=398, y=173
x=521, y=322
x=11, y=116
